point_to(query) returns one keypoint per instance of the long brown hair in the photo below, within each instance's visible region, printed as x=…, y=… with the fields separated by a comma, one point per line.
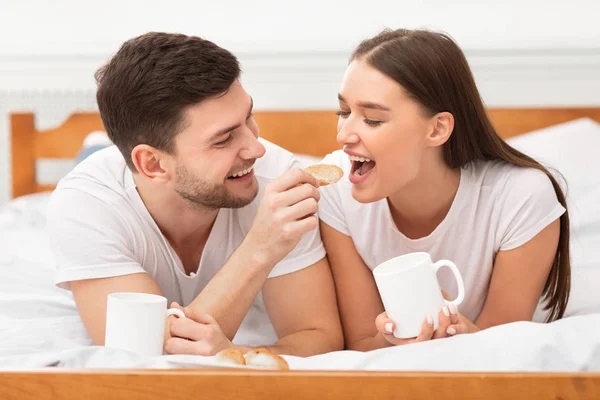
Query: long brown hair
x=434, y=72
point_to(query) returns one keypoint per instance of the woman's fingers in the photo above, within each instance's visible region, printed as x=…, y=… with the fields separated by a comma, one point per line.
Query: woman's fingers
x=443, y=324
x=453, y=314
x=426, y=330
x=384, y=325
x=457, y=329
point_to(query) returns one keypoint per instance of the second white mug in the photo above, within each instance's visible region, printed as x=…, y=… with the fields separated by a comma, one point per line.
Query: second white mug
x=410, y=291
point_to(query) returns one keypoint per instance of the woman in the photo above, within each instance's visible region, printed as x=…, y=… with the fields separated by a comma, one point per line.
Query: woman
x=426, y=171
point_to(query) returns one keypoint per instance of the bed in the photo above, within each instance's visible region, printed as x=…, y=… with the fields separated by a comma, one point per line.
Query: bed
x=46, y=353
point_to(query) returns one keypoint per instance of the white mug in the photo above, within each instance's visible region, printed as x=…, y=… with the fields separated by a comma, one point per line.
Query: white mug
x=410, y=291
x=136, y=322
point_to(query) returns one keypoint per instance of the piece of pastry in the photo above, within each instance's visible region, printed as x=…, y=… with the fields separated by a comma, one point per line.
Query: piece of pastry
x=230, y=356
x=263, y=358
x=326, y=174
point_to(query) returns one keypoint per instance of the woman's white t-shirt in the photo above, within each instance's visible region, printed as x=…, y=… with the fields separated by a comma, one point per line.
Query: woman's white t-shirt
x=498, y=206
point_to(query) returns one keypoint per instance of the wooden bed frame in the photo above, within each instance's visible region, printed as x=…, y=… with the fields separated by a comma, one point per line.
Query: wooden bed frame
x=305, y=132
x=302, y=132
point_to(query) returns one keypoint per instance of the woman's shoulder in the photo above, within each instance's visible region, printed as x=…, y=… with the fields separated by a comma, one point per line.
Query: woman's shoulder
x=501, y=176
x=511, y=187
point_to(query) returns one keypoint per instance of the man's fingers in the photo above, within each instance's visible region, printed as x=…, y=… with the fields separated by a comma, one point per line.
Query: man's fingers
x=206, y=319
x=187, y=328
x=298, y=228
x=182, y=346
x=297, y=194
x=292, y=178
x=301, y=210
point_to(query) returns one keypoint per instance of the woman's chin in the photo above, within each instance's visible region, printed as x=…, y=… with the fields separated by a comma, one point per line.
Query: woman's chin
x=366, y=194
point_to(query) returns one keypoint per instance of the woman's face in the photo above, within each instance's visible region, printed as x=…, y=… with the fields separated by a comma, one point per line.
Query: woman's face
x=383, y=131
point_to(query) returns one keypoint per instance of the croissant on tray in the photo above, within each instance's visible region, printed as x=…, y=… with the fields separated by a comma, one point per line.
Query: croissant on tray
x=258, y=358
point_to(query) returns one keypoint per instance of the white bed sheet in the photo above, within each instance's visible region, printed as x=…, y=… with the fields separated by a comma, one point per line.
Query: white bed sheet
x=39, y=324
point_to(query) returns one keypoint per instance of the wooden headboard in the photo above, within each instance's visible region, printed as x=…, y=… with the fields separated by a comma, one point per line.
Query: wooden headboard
x=302, y=132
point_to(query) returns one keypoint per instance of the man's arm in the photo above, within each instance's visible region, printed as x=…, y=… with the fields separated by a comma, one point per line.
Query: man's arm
x=90, y=297
x=230, y=293
x=301, y=305
x=286, y=212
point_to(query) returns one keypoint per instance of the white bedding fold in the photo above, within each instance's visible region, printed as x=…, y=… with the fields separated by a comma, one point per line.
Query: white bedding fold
x=569, y=345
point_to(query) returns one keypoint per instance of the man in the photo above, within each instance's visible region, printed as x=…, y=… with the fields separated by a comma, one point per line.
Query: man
x=190, y=204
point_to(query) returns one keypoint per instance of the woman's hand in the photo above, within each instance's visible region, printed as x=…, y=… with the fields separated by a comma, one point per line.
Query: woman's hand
x=451, y=323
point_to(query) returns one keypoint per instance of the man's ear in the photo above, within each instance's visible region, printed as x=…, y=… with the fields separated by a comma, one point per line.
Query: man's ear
x=442, y=125
x=150, y=163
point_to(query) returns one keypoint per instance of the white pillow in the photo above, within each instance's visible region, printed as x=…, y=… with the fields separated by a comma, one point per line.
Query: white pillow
x=571, y=149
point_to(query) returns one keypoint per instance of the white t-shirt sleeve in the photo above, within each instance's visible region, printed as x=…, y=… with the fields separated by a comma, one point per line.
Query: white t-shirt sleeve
x=89, y=238
x=529, y=204
x=307, y=252
x=330, y=204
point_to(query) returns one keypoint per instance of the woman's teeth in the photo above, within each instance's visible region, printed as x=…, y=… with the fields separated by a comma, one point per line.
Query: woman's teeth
x=361, y=159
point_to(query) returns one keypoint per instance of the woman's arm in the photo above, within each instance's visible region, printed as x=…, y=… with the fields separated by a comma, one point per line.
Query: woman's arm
x=518, y=279
x=358, y=299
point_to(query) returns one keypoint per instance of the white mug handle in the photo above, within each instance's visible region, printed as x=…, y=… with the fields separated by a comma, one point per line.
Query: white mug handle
x=457, y=276
x=175, y=311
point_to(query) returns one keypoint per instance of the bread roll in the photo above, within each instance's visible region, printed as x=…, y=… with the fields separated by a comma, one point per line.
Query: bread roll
x=263, y=358
x=230, y=356
x=325, y=173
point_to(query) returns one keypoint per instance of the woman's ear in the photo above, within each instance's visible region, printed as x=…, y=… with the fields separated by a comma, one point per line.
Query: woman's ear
x=148, y=162
x=442, y=125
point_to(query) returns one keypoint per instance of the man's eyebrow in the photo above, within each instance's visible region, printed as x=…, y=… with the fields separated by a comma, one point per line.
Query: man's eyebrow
x=231, y=128
x=223, y=131
x=367, y=104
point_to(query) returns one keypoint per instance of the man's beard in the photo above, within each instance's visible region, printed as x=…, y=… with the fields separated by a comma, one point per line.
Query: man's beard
x=206, y=195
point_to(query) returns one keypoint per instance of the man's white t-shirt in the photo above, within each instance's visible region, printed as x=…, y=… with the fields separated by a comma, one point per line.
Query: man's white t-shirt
x=100, y=227
x=497, y=207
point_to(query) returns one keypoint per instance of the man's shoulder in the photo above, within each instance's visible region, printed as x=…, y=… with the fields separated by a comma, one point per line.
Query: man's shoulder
x=102, y=175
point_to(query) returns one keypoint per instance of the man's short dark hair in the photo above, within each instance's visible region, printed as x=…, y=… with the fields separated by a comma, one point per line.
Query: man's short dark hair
x=145, y=88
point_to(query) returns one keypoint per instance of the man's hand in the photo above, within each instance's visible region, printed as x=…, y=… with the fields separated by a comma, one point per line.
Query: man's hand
x=286, y=211
x=202, y=336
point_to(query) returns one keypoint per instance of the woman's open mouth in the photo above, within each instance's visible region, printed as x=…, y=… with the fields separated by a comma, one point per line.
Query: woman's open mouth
x=361, y=168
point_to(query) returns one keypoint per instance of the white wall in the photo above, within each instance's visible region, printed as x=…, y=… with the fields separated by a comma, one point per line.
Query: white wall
x=523, y=53
x=84, y=27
